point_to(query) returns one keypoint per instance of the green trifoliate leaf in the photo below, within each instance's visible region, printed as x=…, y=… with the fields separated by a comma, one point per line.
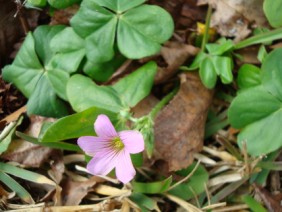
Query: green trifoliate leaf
x=69, y=49
x=258, y=110
x=139, y=30
x=272, y=10
x=83, y=93
x=223, y=68
x=137, y=85
x=44, y=100
x=103, y=71
x=208, y=73
x=252, y=105
x=272, y=73
x=248, y=76
x=119, y=5
x=34, y=75
x=220, y=47
x=26, y=68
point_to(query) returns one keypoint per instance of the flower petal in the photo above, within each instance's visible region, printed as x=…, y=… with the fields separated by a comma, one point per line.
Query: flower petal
x=133, y=141
x=103, y=162
x=91, y=144
x=124, y=168
x=104, y=127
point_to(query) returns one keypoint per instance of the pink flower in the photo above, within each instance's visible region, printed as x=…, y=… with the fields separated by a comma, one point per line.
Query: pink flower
x=111, y=149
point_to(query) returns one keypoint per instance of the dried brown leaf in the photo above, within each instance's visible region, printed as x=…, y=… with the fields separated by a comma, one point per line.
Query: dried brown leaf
x=179, y=127
x=74, y=191
x=233, y=17
x=174, y=54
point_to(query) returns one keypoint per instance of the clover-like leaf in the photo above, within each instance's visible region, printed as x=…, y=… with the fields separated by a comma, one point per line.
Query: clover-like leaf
x=208, y=73
x=33, y=74
x=61, y=4
x=141, y=30
x=134, y=87
x=103, y=71
x=223, y=67
x=248, y=76
x=138, y=30
x=83, y=93
x=220, y=47
x=119, y=6
x=258, y=110
x=272, y=10
x=69, y=49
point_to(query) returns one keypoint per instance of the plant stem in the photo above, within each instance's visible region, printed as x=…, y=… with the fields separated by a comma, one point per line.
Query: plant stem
x=162, y=103
x=207, y=27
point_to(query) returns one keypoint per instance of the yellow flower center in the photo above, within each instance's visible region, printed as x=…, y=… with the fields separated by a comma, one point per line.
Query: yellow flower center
x=117, y=143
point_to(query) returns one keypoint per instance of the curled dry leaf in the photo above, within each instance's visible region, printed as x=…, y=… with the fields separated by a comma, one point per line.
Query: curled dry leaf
x=179, y=127
x=233, y=17
x=74, y=191
x=174, y=54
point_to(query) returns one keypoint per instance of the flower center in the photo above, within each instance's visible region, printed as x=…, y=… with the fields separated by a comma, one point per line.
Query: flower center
x=117, y=143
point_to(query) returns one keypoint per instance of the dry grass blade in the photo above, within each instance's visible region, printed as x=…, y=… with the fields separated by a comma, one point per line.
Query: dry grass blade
x=110, y=191
x=225, y=156
x=189, y=207
x=217, y=205
x=232, y=208
x=225, y=178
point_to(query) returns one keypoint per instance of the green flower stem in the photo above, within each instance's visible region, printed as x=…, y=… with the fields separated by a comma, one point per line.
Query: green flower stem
x=162, y=103
x=207, y=27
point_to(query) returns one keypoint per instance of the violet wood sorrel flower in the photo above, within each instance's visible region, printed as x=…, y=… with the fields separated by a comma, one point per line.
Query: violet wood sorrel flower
x=111, y=149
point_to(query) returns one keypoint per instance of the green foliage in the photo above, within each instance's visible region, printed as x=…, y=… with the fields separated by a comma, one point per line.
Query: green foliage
x=134, y=27
x=74, y=126
x=152, y=188
x=253, y=204
x=16, y=187
x=217, y=63
x=35, y=76
x=69, y=49
x=103, y=71
x=78, y=89
x=258, y=109
x=55, y=145
x=58, y=4
x=144, y=202
x=248, y=76
x=272, y=10
x=61, y=4
x=137, y=85
x=6, y=170
x=195, y=184
x=125, y=93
